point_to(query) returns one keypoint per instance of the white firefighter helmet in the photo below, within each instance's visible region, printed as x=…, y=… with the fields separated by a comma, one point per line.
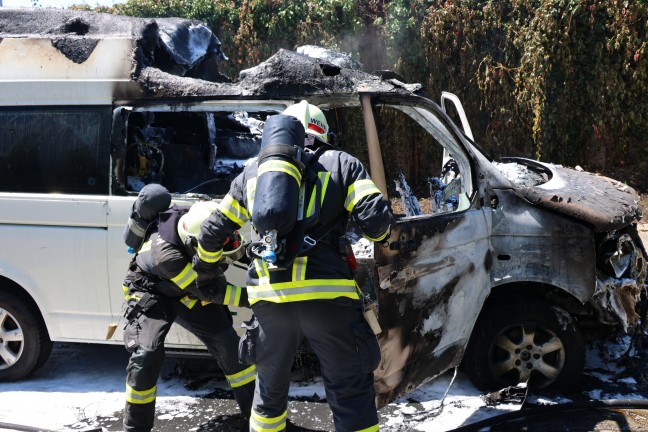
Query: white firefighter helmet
x=189, y=224
x=312, y=118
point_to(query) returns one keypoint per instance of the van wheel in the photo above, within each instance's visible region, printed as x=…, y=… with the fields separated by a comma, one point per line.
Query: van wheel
x=525, y=341
x=24, y=342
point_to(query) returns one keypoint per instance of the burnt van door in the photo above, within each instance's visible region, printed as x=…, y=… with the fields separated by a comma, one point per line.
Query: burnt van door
x=433, y=273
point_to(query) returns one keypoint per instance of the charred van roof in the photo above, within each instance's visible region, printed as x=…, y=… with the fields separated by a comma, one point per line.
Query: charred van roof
x=176, y=45
x=164, y=67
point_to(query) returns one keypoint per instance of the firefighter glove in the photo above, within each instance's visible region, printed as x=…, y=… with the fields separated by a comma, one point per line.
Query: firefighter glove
x=210, y=280
x=212, y=290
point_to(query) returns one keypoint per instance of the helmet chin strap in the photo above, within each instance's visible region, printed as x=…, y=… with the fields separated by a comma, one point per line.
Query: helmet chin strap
x=191, y=245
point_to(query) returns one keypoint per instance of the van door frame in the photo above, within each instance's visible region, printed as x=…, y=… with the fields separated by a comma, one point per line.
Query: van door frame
x=433, y=273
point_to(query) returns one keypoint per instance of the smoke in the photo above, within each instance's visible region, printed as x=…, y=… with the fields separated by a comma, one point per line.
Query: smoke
x=370, y=48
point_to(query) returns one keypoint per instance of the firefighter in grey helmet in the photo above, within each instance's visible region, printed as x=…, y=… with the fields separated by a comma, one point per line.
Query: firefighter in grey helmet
x=160, y=289
x=300, y=284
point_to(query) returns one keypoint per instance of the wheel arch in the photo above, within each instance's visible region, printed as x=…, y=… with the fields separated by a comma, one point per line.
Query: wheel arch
x=586, y=316
x=521, y=290
x=9, y=286
x=31, y=347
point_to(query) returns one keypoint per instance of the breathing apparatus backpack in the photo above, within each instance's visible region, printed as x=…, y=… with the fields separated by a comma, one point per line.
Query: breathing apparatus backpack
x=151, y=200
x=283, y=177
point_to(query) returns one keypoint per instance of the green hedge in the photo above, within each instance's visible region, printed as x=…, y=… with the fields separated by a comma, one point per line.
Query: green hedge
x=555, y=80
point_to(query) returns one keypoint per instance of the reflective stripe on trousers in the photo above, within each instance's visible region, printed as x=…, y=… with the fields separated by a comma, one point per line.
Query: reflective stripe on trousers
x=258, y=423
x=140, y=397
x=241, y=378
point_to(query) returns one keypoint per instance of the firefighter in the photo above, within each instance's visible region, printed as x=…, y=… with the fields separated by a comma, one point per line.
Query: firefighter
x=310, y=293
x=160, y=289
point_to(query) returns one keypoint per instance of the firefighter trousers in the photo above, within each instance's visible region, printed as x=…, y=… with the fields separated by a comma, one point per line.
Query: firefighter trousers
x=347, y=350
x=144, y=338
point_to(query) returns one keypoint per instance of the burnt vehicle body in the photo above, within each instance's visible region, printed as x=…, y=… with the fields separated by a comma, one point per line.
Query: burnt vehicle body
x=504, y=268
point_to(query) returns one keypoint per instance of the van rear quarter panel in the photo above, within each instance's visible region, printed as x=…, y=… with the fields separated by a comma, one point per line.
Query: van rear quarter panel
x=54, y=246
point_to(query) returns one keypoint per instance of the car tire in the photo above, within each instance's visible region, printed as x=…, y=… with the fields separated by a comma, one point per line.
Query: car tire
x=24, y=341
x=524, y=340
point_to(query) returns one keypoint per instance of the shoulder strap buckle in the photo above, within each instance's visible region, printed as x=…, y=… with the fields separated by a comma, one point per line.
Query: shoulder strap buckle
x=310, y=241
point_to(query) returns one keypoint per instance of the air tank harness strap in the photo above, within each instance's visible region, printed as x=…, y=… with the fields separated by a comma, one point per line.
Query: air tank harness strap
x=294, y=153
x=144, y=303
x=320, y=234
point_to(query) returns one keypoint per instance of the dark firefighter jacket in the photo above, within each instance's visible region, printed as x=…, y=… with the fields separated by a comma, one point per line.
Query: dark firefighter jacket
x=345, y=190
x=164, y=260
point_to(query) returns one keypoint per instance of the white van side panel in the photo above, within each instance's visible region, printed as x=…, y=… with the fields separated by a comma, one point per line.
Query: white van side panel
x=45, y=237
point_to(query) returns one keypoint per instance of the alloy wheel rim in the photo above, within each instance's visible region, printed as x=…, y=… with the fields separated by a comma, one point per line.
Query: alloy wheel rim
x=527, y=352
x=12, y=341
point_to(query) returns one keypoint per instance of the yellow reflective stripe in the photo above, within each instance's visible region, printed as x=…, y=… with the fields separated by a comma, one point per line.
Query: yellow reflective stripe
x=233, y=210
x=188, y=301
x=262, y=271
x=322, y=184
x=324, y=178
x=299, y=268
x=241, y=378
x=373, y=428
x=379, y=238
x=311, y=203
x=274, y=165
x=314, y=289
x=140, y=397
x=185, y=277
x=258, y=423
x=129, y=297
x=207, y=256
x=146, y=246
x=359, y=190
x=232, y=295
x=250, y=188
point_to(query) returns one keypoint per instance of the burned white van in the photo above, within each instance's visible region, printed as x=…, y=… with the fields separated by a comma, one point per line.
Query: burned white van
x=505, y=265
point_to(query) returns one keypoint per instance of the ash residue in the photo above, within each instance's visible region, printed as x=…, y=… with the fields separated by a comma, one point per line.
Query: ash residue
x=362, y=248
x=77, y=50
x=46, y=22
x=521, y=175
x=178, y=46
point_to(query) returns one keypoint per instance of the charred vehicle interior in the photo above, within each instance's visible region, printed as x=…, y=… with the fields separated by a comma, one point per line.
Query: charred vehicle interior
x=503, y=266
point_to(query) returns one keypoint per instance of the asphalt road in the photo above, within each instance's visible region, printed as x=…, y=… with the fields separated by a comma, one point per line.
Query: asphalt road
x=77, y=373
x=625, y=379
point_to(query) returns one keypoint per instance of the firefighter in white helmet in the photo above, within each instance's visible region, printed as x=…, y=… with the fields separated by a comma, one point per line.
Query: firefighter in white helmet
x=311, y=117
x=160, y=289
x=305, y=289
